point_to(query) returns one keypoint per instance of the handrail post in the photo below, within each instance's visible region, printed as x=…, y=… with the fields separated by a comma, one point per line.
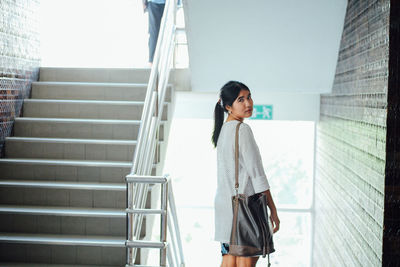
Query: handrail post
x=172, y=205
x=164, y=217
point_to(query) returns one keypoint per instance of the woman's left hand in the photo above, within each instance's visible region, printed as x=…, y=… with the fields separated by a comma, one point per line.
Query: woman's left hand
x=275, y=221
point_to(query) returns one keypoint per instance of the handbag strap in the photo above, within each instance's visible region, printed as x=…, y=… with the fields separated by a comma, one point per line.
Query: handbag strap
x=237, y=158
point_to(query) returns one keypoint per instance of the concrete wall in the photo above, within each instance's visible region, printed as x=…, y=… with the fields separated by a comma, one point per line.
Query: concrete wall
x=19, y=58
x=351, y=144
x=269, y=45
x=286, y=106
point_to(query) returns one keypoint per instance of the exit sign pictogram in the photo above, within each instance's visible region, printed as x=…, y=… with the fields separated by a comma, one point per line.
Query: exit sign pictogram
x=262, y=112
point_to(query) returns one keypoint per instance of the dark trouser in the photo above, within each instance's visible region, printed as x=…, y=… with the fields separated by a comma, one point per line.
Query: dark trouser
x=155, y=14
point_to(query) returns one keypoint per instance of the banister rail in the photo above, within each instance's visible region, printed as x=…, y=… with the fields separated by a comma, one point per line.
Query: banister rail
x=139, y=179
x=168, y=220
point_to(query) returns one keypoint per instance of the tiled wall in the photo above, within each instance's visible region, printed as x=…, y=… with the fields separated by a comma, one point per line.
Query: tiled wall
x=351, y=143
x=19, y=58
x=391, y=232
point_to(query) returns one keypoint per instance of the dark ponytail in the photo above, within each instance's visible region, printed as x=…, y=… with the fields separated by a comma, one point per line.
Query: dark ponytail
x=228, y=94
x=218, y=121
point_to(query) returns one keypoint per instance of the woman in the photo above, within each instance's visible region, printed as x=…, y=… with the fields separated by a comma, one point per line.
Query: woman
x=235, y=99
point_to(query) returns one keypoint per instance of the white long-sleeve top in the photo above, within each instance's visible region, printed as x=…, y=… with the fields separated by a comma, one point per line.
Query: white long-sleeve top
x=252, y=178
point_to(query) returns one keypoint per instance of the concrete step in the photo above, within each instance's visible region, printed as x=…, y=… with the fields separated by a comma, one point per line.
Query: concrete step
x=63, y=211
x=66, y=148
x=64, y=185
x=44, y=193
x=62, y=249
x=79, y=240
x=86, y=109
x=65, y=170
x=22, y=264
x=98, y=75
x=62, y=220
x=92, y=91
x=79, y=128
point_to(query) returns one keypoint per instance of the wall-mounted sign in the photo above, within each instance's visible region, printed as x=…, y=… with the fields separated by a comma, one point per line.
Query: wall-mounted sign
x=262, y=112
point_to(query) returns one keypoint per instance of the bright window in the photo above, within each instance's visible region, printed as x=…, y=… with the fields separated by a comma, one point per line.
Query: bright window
x=287, y=150
x=93, y=33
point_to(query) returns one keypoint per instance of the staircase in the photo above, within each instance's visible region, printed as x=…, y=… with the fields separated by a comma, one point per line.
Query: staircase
x=62, y=181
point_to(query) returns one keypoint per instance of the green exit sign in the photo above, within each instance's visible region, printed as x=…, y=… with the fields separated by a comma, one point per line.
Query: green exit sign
x=262, y=112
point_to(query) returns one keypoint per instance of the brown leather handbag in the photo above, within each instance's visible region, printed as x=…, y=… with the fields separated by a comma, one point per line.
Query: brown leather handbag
x=251, y=235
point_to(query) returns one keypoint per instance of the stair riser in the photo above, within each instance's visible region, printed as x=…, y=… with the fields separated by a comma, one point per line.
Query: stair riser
x=94, y=75
x=62, y=254
x=107, y=111
x=69, y=150
x=20, y=171
x=57, y=172
x=91, y=92
x=67, y=225
x=84, y=130
x=19, y=264
x=62, y=197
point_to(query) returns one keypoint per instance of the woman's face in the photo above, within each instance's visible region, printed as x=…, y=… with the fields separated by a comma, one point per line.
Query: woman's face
x=242, y=107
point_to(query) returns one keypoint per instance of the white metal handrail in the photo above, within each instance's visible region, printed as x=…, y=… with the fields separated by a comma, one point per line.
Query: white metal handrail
x=169, y=222
x=140, y=178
